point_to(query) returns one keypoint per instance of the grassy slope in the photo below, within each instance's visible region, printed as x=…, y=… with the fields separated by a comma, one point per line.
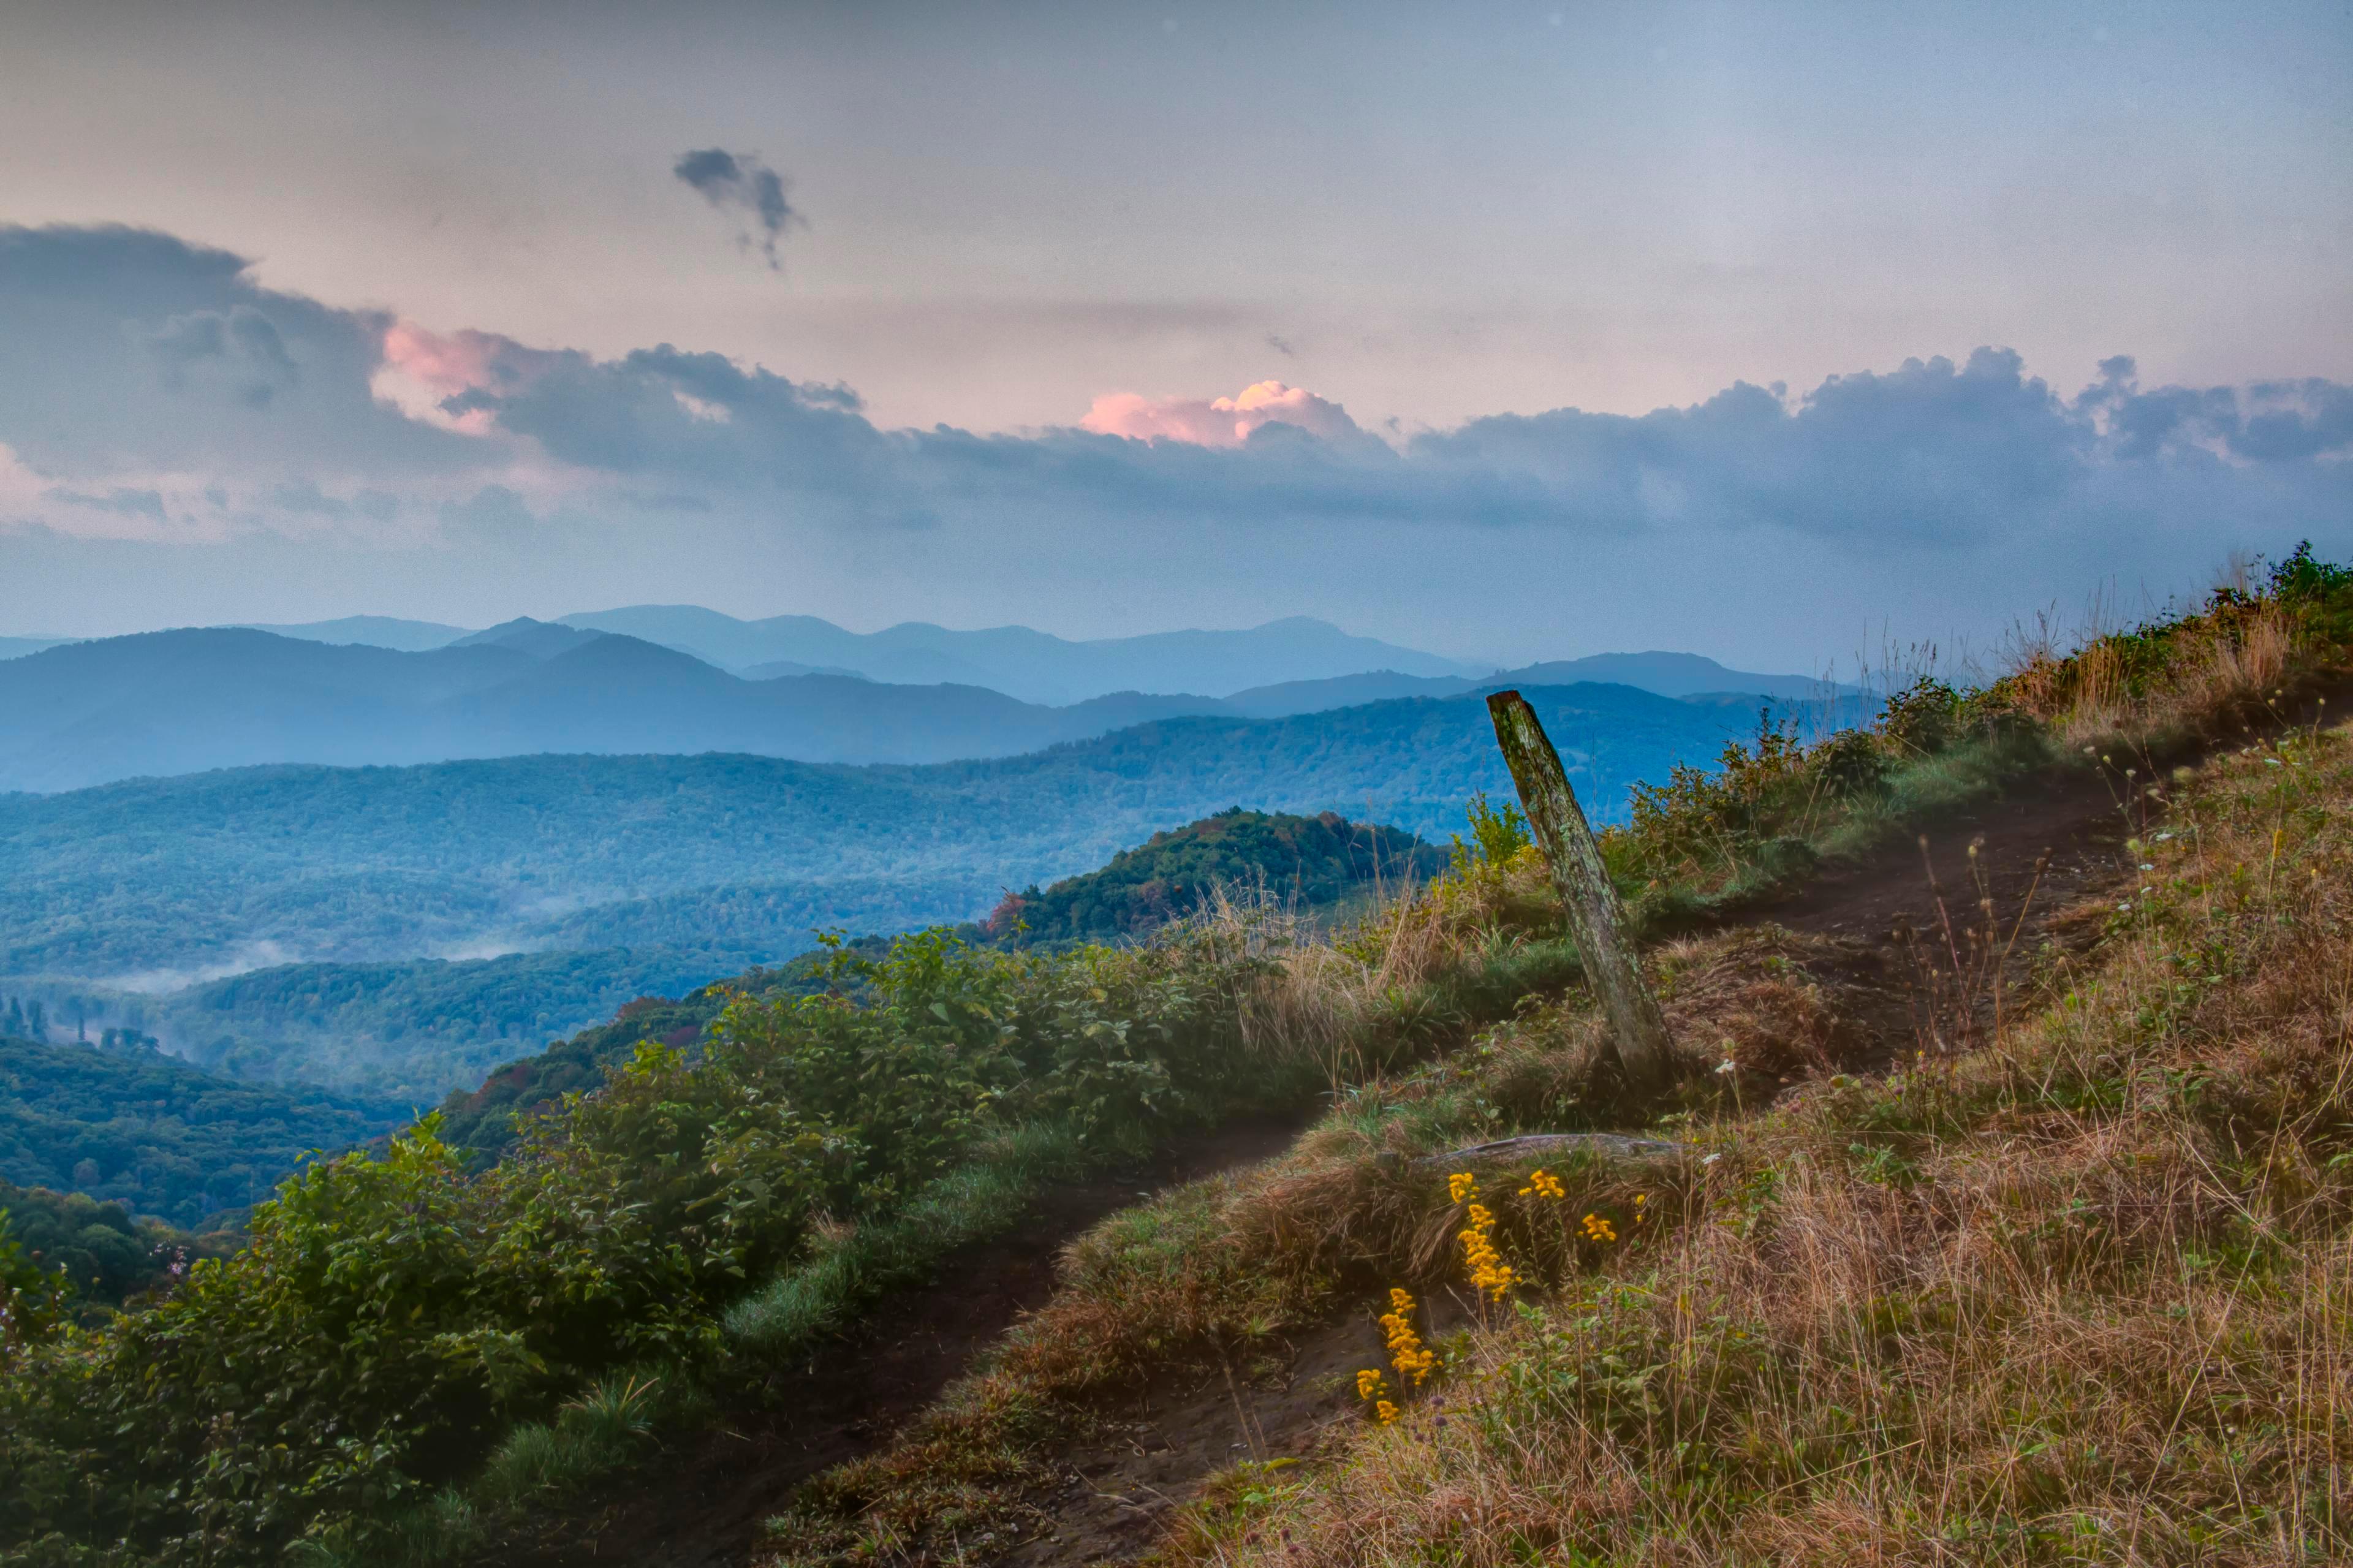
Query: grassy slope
x=2080, y=1296
x=2078, y=1293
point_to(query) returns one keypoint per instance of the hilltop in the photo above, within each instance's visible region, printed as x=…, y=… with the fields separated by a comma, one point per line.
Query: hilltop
x=1305, y=863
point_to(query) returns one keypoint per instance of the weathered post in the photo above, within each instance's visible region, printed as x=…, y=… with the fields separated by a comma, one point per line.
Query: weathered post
x=1595, y=916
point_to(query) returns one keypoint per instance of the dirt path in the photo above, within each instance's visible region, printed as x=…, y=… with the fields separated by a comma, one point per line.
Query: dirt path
x=2041, y=859
x=701, y=1504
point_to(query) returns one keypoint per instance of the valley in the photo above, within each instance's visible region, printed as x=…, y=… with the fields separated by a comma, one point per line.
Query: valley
x=323, y=923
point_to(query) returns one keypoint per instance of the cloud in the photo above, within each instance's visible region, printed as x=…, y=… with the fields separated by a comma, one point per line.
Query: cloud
x=1218, y=422
x=126, y=353
x=453, y=379
x=739, y=183
x=128, y=359
x=120, y=502
x=241, y=344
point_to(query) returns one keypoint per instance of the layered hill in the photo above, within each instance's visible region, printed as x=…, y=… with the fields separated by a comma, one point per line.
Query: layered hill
x=165, y=703
x=1034, y=666
x=270, y=865
x=393, y=930
x=182, y=701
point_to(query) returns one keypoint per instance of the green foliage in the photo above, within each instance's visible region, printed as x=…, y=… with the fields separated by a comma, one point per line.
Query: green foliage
x=397, y=1319
x=2321, y=593
x=156, y=1135
x=482, y=1121
x=32, y=1294
x=1497, y=836
x=1310, y=862
x=101, y=1253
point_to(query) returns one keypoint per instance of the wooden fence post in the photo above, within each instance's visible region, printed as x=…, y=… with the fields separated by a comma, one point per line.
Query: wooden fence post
x=1596, y=917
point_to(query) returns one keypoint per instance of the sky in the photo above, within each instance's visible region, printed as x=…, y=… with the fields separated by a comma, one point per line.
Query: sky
x=1784, y=333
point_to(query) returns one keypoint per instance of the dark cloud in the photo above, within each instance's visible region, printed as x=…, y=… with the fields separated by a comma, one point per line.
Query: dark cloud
x=241, y=344
x=739, y=183
x=122, y=347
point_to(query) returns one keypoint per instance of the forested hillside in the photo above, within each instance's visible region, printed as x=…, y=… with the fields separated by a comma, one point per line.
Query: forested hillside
x=157, y=1135
x=104, y=1250
x=273, y=865
x=1307, y=863
x=1303, y=862
x=409, y=1031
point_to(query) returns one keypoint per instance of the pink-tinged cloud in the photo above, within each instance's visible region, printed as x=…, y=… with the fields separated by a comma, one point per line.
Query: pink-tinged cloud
x=449, y=363
x=1217, y=422
x=423, y=369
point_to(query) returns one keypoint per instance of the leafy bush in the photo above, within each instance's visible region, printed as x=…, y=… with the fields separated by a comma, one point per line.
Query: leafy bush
x=31, y=1297
x=395, y=1318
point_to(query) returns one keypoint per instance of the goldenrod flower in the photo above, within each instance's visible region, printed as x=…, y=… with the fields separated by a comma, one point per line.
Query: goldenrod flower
x=1596, y=1228
x=1543, y=1185
x=1413, y=1360
x=1490, y=1274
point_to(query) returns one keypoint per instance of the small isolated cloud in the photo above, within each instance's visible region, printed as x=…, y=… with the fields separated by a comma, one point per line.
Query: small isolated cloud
x=1218, y=422
x=739, y=184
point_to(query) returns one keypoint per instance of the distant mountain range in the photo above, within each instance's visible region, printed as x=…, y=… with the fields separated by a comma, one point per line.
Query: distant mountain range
x=375, y=631
x=163, y=703
x=154, y=886
x=1029, y=665
x=1038, y=668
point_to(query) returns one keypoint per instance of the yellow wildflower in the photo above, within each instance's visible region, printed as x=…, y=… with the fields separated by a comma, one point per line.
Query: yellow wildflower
x=1543, y=1185
x=1596, y=1228
x=1413, y=1360
x=1490, y=1274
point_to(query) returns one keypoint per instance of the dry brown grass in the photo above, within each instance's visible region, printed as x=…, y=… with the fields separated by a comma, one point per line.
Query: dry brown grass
x=2085, y=1296
x=1214, y=1272
x=2203, y=676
